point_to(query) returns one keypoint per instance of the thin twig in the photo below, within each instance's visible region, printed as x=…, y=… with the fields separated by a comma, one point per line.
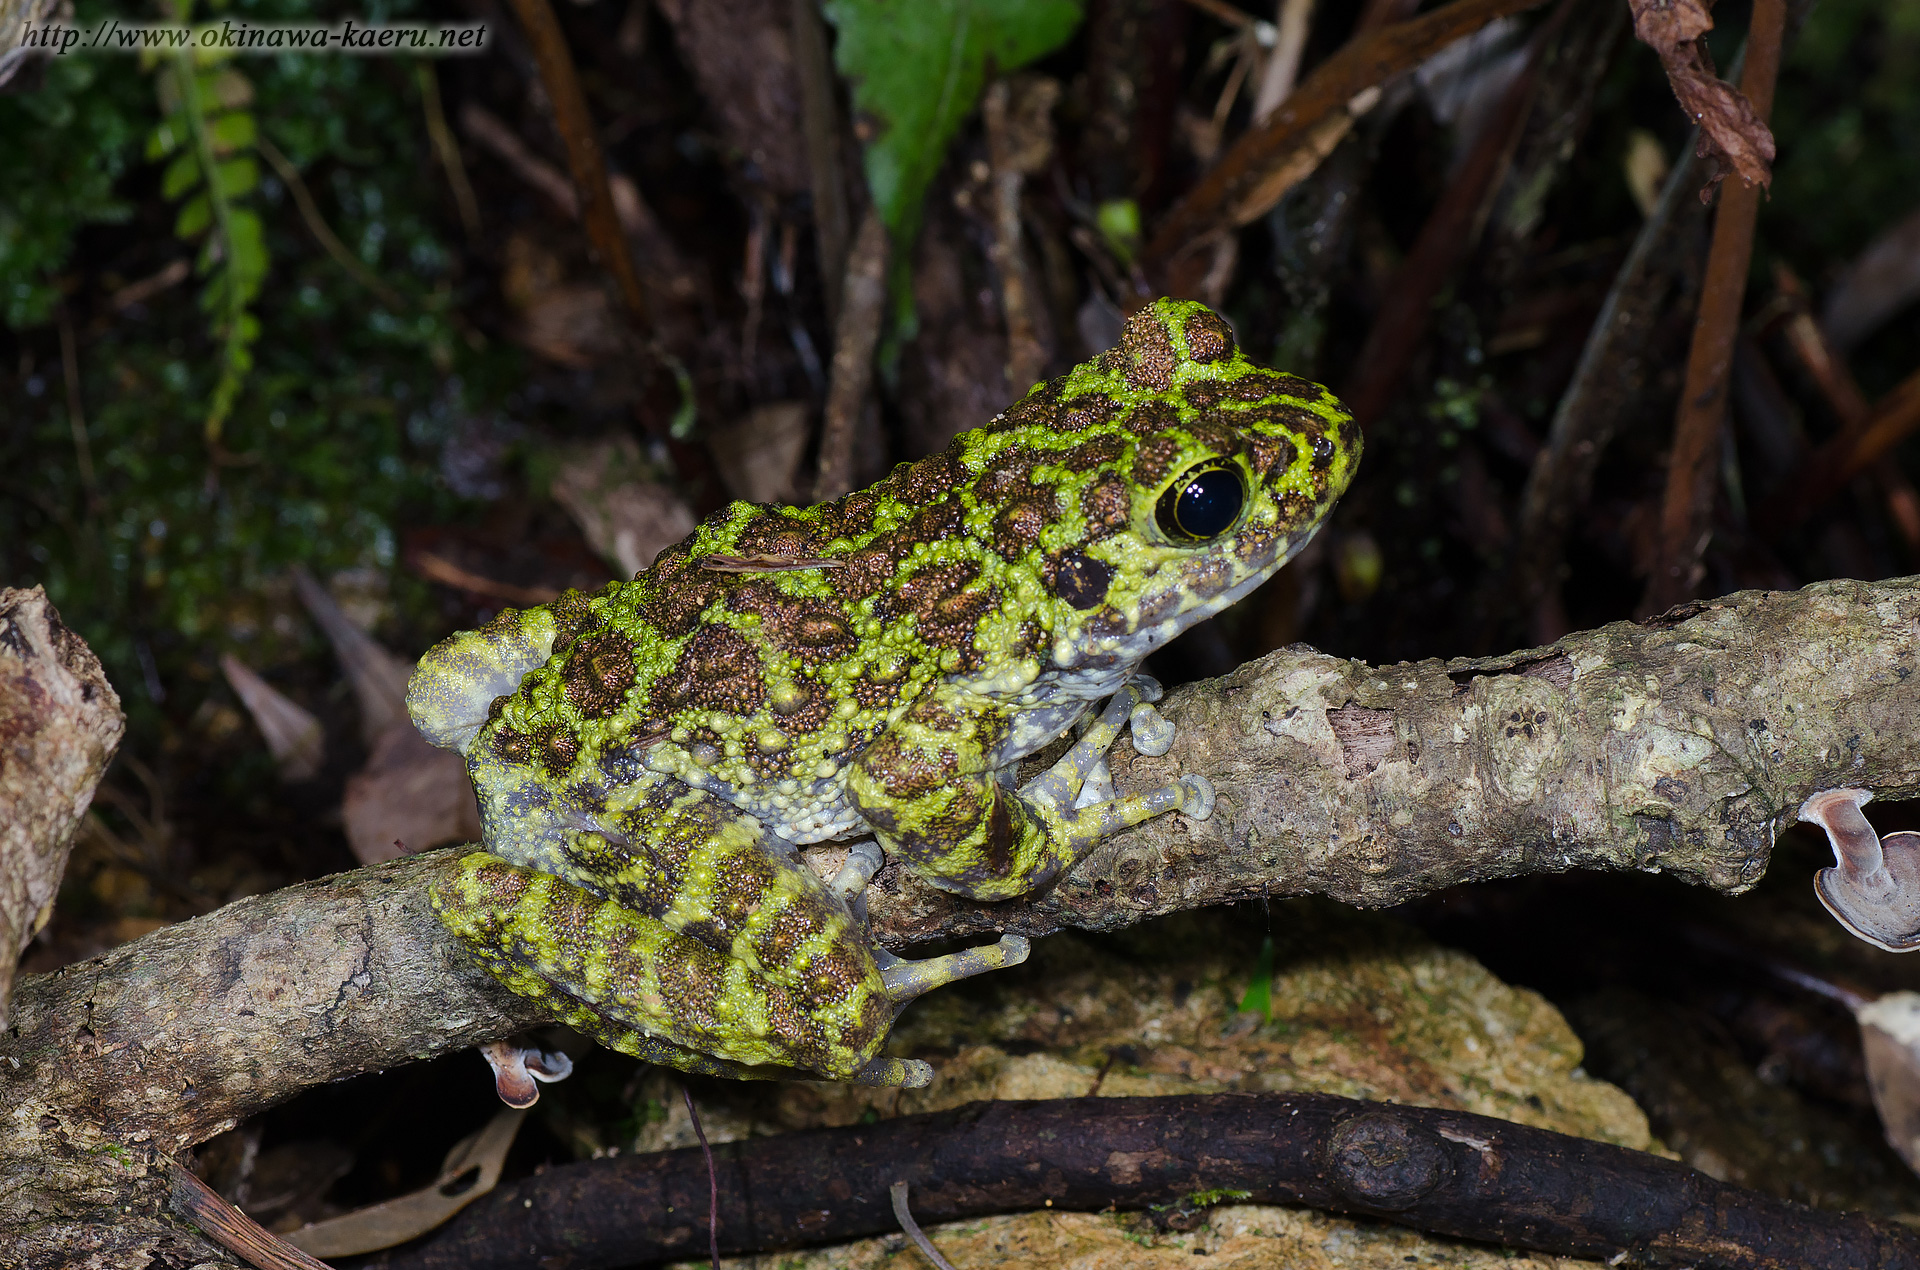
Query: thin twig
x=1282, y=70
x=713, y=1180
x=76, y=414
x=446, y=148
x=820, y=123
x=1444, y=240
x=1019, y=142
x=1242, y=185
x=1895, y=417
x=1831, y=375
x=318, y=227
x=900, y=1210
x=575, y=123
x=1686, y=512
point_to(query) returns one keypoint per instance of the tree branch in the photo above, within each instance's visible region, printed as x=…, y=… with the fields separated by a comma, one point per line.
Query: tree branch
x=1682, y=745
x=1441, y=1171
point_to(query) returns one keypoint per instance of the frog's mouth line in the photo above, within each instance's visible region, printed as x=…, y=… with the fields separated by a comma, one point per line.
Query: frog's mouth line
x=1161, y=618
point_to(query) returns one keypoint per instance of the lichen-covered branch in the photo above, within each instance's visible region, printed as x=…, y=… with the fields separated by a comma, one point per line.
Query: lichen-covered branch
x=1682, y=745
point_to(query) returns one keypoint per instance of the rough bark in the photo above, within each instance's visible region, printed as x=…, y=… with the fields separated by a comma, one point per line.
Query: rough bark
x=1682, y=745
x=1448, y=1172
x=60, y=723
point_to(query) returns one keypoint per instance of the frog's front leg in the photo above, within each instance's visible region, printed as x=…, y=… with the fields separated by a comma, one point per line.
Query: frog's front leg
x=927, y=791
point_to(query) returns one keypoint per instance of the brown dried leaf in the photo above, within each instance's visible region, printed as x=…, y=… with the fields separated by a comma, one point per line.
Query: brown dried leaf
x=1733, y=138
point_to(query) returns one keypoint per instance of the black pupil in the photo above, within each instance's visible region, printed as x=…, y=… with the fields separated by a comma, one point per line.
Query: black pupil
x=1202, y=505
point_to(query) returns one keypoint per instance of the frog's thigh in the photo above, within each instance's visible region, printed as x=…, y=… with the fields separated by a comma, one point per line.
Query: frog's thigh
x=635, y=985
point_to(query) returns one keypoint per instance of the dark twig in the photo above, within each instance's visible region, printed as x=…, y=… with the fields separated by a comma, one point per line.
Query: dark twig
x=820, y=123
x=1830, y=374
x=713, y=1179
x=1607, y=383
x=322, y=232
x=1893, y=418
x=575, y=123
x=1444, y=241
x=232, y=1229
x=1686, y=512
x=1447, y=1172
x=1241, y=186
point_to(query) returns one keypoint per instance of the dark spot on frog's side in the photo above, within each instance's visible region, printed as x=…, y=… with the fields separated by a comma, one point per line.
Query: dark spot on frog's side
x=1077, y=577
x=720, y=670
x=598, y=673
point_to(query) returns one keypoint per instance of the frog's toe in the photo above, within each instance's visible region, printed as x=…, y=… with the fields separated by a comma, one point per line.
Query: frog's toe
x=1152, y=733
x=1197, y=796
x=887, y=1072
x=1148, y=687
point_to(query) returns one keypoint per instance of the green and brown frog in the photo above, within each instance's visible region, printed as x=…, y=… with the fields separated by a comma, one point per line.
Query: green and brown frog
x=650, y=758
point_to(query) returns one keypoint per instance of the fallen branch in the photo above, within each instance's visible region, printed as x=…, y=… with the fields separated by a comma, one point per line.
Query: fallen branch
x=1444, y=1172
x=1683, y=746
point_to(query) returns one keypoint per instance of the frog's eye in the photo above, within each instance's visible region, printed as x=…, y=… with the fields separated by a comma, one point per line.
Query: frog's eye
x=1203, y=504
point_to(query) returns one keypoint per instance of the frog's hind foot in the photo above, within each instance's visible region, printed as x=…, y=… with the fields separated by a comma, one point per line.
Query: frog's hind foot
x=905, y=980
x=884, y=1071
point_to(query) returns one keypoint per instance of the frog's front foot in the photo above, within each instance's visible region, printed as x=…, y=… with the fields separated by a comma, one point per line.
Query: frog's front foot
x=1080, y=786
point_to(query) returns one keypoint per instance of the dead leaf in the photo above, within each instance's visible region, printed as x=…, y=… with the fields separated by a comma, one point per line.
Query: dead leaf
x=759, y=456
x=410, y=796
x=626, y=517
x=1732, y=137
x=410, y=1216
x=293, y=735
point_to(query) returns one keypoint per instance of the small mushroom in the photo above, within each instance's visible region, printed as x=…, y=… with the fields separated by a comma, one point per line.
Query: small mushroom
x=517, y=1067
x=1874, y=888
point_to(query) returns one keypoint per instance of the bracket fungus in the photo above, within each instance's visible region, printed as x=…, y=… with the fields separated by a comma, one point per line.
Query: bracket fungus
x=1874, y=887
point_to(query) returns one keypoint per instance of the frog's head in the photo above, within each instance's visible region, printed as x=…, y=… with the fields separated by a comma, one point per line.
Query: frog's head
x=1182, y=476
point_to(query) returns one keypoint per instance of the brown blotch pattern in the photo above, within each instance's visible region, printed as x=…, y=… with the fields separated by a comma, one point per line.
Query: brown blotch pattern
x=1148, y=350
x=1209, y=339
x=571, y=617
x=558, y=748
x=598, y=673
x=1108, y=506
x=945, y=612
x=719, y=670
x=922, y=482
x=867, y=571
x=1150, y=417
x=1086, y=457
x=1270, y=454
x=805, y=709
x=1090, y=410
x=1153, y=460
x=514, y=747
x=1034, y=409
x=1017, y=528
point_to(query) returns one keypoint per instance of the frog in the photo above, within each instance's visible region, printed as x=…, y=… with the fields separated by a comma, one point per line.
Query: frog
x=651, y=759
